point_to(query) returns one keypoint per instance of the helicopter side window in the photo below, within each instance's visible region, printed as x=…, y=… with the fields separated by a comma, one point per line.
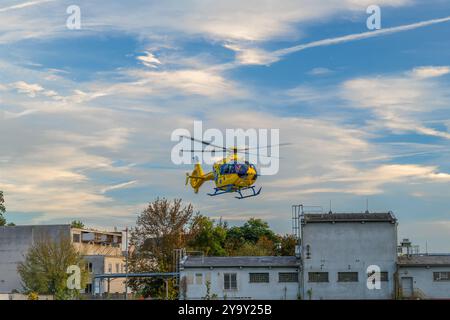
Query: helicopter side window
x=241, y=169
x=224, y=169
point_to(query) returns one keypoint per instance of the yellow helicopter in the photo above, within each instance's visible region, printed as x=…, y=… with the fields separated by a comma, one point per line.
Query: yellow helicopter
x=229, y=174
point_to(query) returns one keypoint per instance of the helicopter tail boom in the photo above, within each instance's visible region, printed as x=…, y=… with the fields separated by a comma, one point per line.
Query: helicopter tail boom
x=198, y=177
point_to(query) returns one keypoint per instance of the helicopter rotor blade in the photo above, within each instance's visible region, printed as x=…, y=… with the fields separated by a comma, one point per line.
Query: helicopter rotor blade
x=184, y=150
x=204, y=142
x=259, y=155
x=265, y=147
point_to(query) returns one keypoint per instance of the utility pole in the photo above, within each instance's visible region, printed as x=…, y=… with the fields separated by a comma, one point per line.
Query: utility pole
x=126, y=263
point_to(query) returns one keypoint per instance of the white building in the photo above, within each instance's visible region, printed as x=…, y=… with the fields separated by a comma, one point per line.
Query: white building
x=270, y=278
x=338, y=248
x=336, y=251
x=424, y=276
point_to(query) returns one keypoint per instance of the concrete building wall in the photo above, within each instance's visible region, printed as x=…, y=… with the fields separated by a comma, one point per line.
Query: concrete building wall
x=274, y=290
x=16, y=241
x=117, y=265
x=14, y=245
x=348, y=247
x=423, y=284
x=104, y=265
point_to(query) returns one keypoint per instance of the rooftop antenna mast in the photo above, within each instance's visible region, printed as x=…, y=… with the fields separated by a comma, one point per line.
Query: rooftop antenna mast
x=297, y=213
x=367, y=205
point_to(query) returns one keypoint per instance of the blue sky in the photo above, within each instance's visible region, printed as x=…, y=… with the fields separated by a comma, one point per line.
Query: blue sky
x=86, y=115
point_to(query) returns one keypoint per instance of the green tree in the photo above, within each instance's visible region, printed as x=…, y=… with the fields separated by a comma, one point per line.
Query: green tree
x=77, y=224
x=207, y=236
x=2, y=209
x=263, y=247
x=162, y=227
x=250, y=233
x=287, y=245
x=44, y=269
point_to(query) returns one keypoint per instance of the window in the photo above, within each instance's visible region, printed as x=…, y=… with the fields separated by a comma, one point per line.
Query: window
x=287, y=277
x=441, y=276
x=347, y=276
x=241, y=169
x=76, y=237
x=110, y=268
x=117, y=268
x=230, y=281
x=224, y=169
x=384, y=275
x=318, y=276
x=89, y=288
x=199, y=278
x=89, y=266
x=259, y=277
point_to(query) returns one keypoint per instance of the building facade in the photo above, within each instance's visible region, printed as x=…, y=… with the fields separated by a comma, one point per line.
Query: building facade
x=265, y=278
x=102, y=252
x=424, y=276
x=338, y=257
x=338, y=250
x=15, y=241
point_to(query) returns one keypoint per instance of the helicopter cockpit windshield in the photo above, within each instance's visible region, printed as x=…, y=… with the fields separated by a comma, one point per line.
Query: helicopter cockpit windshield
x=240, y=169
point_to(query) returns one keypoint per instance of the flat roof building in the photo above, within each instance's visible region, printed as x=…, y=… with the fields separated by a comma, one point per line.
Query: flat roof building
x=340, y=250
x=102, y=251
x=424, y=276
x=263, y=278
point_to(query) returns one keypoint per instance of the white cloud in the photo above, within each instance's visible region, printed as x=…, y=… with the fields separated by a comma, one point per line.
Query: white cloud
x=251, y=56
x=430, y=72
x=232, y=20
x=400, y=101
x=149, y=60
x=111, y=138
x=29, y=89
x=208, y=82
x=102, y=122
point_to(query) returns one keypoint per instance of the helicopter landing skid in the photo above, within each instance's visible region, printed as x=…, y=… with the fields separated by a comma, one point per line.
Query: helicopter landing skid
x=219, y=191
x=231, y=188
x=253, y=194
